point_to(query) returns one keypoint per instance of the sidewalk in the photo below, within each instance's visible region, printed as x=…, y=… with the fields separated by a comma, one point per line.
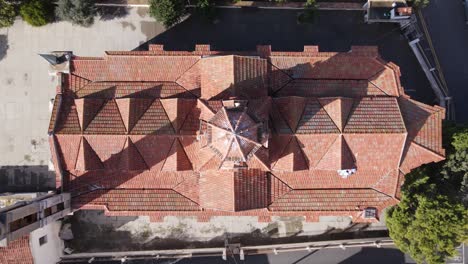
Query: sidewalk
x=246, y=4
x=27, y=88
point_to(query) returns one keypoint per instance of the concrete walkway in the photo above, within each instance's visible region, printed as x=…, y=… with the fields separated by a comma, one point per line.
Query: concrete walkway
x=26, y=88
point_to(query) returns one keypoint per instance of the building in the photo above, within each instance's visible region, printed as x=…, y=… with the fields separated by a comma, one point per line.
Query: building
x=208, y=133
x=387, y=11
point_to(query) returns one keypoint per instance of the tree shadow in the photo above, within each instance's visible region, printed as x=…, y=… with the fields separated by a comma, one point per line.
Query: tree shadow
x=376, y=255
x=242, y=30
x=3, y=46
x=112, y=12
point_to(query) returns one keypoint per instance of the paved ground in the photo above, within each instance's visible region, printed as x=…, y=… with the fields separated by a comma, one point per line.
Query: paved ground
x=366, y=255
x=243, y=29
x=449, y=32
x=26, y=88
x=95, y=232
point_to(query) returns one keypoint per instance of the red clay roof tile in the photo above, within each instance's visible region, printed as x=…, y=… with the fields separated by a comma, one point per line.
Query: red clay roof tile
x=87, y=158
x=329, y=200
x=156, y=155
x=17, y=252
x=338, y=157
x=338, y=109
x=109, y=90
x=315, y=119
x=130, y=158
x=328, y=88
x=292, y=158
x=375, y=115
x=107, y=121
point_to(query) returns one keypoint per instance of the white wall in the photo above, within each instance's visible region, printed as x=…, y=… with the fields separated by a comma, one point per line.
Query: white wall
x=51, y=251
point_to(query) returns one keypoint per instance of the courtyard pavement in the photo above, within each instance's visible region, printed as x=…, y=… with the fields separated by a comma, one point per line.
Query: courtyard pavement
x=26, y=88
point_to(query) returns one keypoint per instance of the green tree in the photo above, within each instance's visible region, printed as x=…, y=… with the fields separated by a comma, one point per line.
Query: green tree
x=431, y=219
x=78, y=12
x=419, y=3
x=169, y=12
x=428, y=228
x=37, y=12
x=7, y=14
x=206, y=8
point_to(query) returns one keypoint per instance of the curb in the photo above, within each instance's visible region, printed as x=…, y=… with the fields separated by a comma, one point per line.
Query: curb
x=239, y=6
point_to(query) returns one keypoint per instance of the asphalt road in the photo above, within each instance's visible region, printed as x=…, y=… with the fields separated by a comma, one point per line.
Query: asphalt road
x=243, y=29
x=449, y=32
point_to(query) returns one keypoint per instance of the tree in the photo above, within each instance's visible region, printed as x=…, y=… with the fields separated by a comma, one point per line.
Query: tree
x=37, y=12
x=419, y=3
x=309, y=14
x=428, y=228
x=206, y=8
x=7, y=14
x=169, y=12
x=78, y=12
x=431, y=219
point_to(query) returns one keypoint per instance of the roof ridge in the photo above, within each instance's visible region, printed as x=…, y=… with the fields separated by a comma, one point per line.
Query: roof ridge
x=328, y=149
x=179, y=193
x=189, y=68
x=427, y=149
x=341, y=112
x=167, y=154
x=283, y=182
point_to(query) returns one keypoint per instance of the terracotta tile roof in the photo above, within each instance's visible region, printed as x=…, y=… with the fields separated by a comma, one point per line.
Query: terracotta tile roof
x=338, y=157
x=375, y=115
x=87, y=158
x=133, y=68
x=177, y=159
x=75, y=82
x=87, y=110
x=107, y=121
x=386, y=81
x=328, y=200
x=223, y=77
x=130, y=158
x=340, y=66
x=415, y=155
x=315, y=119
x=54, y=114
x=17, y=252
x=138, y=200
x=131, y=110
x=162, y=130
x=68, y=121
x=291, y=108
x=109, y=90
x=154, y=121
x=292, y=157
x=328, y=88
x=424, y=123
x=338, y=109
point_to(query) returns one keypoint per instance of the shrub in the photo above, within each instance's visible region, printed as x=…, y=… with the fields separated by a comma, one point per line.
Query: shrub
x=78, y=12
x=37, y=12
x=7, y=14
x=206, y=8
x=429, y=228
x=309, y=14
x=419, y=3
x=169, y=12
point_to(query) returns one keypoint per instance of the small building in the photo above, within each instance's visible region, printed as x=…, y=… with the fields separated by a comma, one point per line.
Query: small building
x=387, y=11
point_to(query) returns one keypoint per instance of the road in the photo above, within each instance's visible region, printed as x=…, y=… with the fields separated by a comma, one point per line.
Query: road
x=243, y=29
x=449, y=33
